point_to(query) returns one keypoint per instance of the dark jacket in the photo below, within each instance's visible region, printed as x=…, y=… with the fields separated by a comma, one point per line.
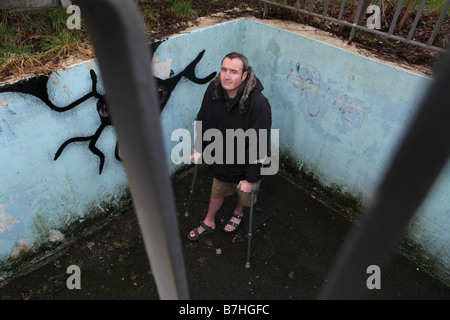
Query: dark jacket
x=249, y=109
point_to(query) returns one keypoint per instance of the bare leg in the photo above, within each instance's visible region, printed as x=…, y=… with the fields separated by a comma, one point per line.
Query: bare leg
x=214, y=206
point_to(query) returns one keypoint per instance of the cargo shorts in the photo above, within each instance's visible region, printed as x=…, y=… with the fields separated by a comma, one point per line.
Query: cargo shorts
x=224, y=189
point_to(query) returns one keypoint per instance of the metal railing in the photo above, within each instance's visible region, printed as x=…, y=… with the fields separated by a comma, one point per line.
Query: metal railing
x=123, y=54
x=321, y=10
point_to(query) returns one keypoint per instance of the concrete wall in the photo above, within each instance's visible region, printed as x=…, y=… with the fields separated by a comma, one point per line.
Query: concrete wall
x=42, y=198
x=340, y=117
x=53, y=185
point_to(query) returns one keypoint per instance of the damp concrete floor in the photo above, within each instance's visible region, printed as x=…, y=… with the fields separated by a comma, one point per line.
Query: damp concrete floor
x=295, y=244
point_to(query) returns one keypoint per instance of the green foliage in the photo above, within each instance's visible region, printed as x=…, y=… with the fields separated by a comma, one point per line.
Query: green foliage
x=30, y=37
x=183, y=8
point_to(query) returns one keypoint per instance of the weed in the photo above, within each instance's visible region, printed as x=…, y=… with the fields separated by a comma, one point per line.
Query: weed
x=183, y=8
x=36, y=41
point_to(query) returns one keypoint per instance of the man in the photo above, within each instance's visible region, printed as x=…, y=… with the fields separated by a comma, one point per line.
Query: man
x=232, y=101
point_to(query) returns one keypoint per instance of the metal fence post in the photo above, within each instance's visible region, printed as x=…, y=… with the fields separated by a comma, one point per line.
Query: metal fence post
x=354, y=25
x=355, y=21
x=124, y=57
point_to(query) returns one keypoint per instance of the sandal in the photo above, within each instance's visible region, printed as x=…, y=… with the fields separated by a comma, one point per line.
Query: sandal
x=198, y=236
x=233, y=224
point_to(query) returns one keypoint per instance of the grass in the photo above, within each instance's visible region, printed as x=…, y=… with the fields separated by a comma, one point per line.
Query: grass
x=183, y=8
x=434, y=6
x=152, y=10
x=38, y=40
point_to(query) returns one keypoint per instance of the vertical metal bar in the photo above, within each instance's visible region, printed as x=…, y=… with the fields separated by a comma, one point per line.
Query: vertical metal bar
x=325, y=7
x=394, y=19
x=341, y=9
x=438, y=24
x=250, y=226
x=417, y=163
x=416, y=19
x=124, y=57
x=358, y=11
x=191, y=190
x=380, y=4
x=355, y=21
x=266, y=10
x=311, y=6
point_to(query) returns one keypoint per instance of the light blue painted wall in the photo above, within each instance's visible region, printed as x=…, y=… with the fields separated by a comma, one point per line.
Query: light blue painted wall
x=39, y=197
x=341, y=115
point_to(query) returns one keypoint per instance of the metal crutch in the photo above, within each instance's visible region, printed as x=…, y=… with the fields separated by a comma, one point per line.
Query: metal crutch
x=250, y=223
x=191, y=191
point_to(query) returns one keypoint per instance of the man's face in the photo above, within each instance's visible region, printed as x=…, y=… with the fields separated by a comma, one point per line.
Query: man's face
x=231, y=75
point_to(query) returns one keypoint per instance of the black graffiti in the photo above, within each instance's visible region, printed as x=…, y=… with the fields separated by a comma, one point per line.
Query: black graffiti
x=105, y=121
x=37, y=86
x=166, y=86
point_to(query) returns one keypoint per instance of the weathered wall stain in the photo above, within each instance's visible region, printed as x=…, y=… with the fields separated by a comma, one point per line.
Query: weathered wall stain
x=321, y=102
x=308, y=89
x=6, y=221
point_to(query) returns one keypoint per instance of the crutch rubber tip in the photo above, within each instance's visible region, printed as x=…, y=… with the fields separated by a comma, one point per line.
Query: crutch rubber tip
x=247, y=265
x=186, y=214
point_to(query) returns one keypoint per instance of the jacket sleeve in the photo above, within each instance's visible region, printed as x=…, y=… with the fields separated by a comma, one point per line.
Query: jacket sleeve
x=200, y=125
x=261, y=121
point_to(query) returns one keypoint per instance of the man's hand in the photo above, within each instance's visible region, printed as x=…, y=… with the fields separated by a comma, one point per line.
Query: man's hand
x=195, y=156
x=246, y=186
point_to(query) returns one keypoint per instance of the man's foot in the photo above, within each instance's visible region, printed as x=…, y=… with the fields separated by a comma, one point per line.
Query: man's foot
x=234, y=223
x=200, y=232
